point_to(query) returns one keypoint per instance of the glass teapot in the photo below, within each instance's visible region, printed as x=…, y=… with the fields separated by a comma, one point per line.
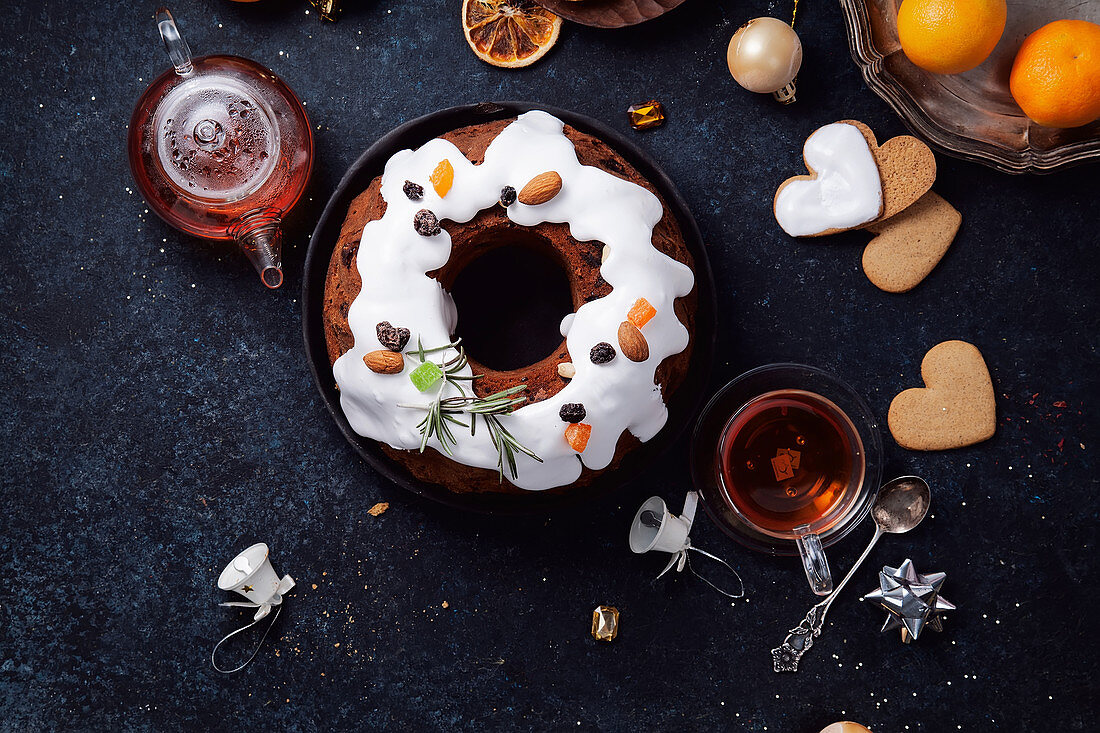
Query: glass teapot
x=221, y=148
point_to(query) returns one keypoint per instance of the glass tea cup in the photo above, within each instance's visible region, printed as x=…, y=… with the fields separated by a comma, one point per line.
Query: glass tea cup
x=786, y=459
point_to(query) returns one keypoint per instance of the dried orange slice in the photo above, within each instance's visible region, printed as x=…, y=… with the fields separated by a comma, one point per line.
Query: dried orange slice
x=509, y=33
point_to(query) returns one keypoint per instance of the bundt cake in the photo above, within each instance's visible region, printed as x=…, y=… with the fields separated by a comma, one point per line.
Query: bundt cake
x=402, y=371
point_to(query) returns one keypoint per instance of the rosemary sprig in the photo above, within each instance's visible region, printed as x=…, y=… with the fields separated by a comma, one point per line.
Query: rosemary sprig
x=443, y=412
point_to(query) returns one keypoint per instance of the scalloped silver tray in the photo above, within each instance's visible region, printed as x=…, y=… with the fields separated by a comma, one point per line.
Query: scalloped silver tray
x=971, y=115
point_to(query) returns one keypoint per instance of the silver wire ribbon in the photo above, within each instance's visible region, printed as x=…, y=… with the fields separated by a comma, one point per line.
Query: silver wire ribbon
x=262, y=611
x=680, y=559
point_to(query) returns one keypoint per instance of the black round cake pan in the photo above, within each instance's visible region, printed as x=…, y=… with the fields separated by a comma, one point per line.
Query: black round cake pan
x=684, y=403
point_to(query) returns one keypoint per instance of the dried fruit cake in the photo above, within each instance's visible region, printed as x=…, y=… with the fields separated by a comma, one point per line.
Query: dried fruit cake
x=404, y=376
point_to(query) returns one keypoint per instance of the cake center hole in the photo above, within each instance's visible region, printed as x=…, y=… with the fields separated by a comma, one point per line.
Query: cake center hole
x=510, y=304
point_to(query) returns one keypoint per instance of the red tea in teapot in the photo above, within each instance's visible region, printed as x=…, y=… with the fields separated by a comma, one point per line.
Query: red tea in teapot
x=788, y=458
x=221, y=148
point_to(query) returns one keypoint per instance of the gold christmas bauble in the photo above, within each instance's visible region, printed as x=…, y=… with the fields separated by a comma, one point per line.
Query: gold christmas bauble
x=764, y=55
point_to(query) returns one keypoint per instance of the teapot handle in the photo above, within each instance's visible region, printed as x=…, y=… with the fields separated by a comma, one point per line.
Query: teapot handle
x=173, y=42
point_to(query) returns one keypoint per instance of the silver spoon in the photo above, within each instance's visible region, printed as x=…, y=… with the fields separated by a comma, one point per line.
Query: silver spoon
x=899, y=506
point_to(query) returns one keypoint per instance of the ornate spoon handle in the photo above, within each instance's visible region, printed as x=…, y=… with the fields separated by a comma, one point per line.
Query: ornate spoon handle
x=785, y=657
x=799, y=639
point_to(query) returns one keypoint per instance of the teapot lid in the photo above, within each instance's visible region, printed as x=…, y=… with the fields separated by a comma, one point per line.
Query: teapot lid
x=217, y=134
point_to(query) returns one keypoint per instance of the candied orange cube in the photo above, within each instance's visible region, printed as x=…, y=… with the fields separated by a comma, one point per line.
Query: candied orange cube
x=641, y=312
x=442, y=177
x=577, y=435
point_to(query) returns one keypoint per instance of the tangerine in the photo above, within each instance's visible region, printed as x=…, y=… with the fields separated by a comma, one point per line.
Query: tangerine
x=950, y=36
x=1056, y=75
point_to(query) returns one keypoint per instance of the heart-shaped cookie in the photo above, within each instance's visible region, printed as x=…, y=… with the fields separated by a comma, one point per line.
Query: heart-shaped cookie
x=852, y=182
x=907, y=166
x=910, y=244
x=955, y=408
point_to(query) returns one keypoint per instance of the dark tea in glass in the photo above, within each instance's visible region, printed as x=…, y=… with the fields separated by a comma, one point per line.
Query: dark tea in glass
x=790, y=458
x=787, y=459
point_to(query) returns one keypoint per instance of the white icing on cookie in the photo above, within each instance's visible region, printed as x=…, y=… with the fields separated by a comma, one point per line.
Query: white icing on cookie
x=847, y=188
x=393, y=262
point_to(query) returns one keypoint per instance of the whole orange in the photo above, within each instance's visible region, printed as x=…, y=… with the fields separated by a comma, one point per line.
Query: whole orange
x=1056, y=75
x=950, y=36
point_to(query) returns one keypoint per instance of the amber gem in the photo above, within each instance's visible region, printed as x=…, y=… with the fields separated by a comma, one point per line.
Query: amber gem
x=646, y=116
x=328, y=9
x=605, y=623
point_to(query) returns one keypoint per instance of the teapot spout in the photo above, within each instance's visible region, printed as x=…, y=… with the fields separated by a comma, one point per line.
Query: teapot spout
x=260, y=238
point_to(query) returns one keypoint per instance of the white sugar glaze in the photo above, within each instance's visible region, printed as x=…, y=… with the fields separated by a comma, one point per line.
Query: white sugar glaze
x=394, y=259
x=847, y=188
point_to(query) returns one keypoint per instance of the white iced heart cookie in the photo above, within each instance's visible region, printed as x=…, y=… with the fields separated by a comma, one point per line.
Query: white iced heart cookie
x=843, y=191
x=829, y=200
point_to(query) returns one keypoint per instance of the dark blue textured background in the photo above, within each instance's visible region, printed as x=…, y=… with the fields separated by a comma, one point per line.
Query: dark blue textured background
x=158, y=416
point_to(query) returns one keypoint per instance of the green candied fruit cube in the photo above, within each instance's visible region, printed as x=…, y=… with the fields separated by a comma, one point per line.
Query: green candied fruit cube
x=426, y=375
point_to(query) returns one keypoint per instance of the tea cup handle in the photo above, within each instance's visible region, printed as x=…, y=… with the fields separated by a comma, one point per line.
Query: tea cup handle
x=814, y=561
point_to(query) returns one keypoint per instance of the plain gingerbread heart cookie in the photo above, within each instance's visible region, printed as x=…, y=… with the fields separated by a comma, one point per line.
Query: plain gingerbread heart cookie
x=910, y=244
x=955, y=408
x=853, y=181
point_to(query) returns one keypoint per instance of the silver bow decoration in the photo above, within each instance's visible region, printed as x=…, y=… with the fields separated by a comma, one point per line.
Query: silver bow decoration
x=911, y=600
